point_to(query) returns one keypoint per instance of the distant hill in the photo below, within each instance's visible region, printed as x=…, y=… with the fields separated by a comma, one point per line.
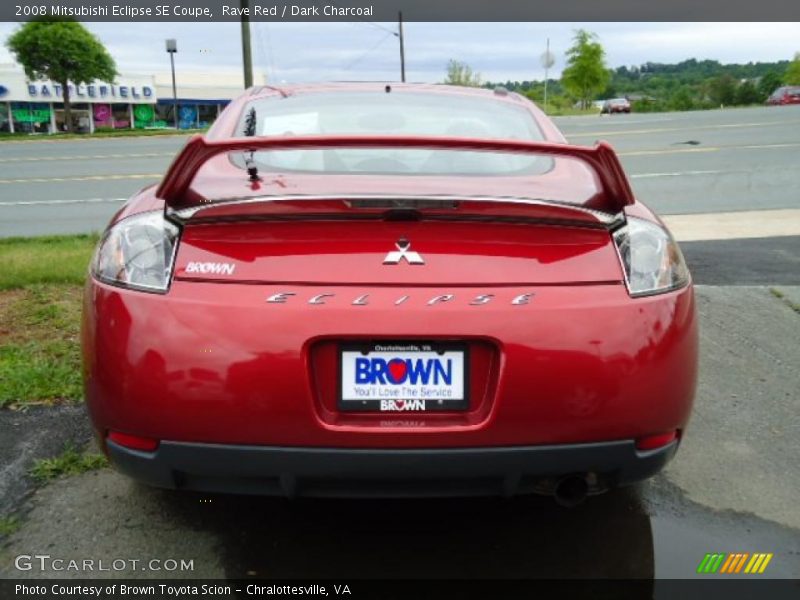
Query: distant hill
x=689, y=84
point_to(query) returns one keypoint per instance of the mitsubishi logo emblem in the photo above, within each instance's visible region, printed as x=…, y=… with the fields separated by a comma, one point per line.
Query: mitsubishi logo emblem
x=403, y=252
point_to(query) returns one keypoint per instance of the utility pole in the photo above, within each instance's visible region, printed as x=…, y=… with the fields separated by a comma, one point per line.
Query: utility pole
x=548, y=60
x=402, y=47
x=172, y=48
x=247, y=57
x=546, y=72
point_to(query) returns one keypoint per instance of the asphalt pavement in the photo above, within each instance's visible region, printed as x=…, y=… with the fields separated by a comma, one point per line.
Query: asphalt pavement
x=704, y=161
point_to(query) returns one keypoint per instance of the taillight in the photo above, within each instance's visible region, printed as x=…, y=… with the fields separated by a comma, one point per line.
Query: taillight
x=135, y=442
x=138, y=252
x=659, y=440
x=651, y=259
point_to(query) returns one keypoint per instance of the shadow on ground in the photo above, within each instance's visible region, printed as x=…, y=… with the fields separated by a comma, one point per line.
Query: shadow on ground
x=608, y=536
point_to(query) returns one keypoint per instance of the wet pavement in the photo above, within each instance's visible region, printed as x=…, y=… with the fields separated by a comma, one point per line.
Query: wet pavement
x=646, y=532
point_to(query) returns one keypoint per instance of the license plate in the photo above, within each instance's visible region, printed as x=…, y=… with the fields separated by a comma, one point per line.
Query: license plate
x=403, y=376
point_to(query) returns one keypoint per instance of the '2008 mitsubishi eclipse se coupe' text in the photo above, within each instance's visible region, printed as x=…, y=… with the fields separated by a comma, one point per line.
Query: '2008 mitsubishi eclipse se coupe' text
x=389, y=290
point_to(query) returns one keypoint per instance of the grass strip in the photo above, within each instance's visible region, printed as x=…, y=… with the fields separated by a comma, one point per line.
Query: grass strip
x=69, y=462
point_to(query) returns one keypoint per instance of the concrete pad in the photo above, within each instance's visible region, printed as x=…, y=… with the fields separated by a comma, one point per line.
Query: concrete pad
x=734, y=225
x=103, y=515
x=741, y=451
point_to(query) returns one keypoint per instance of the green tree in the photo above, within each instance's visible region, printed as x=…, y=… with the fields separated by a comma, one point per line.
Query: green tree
x=770, y=82
x=63, y=51
x=747, y=93
x=682, y=99
x=722, y=90
x=459, y=73
x=792, y=76
x=586, y=74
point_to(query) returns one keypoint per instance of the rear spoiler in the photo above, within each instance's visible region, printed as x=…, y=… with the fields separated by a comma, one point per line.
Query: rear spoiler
x=601, y=158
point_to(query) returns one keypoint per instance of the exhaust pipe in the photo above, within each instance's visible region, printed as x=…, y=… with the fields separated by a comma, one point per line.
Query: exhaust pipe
x=571, y=490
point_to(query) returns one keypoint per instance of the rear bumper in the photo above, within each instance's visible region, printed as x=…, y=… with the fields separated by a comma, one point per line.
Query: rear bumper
x=218, y=363
x=341, y=472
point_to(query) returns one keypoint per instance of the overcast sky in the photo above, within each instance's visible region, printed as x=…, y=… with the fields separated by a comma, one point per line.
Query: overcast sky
x=293, y=52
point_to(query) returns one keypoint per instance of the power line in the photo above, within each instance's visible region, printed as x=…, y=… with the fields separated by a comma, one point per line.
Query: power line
x=270, y=53
x=373, y=24
x=265, y=48
x=365, y=53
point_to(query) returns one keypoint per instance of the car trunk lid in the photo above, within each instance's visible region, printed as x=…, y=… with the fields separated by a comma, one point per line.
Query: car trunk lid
x=410, y=248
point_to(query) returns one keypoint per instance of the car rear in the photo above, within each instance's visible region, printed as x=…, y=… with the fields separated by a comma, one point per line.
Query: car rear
x=617, y=105
x=319, y=342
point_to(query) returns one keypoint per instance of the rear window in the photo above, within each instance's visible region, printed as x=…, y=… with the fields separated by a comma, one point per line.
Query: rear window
x=395, y=113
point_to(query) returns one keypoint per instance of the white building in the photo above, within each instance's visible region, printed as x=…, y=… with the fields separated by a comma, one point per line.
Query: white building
x=130, y=102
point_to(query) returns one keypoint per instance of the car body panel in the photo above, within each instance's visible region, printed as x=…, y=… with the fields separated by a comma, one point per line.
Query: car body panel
x=502, y=254
x=576, y=364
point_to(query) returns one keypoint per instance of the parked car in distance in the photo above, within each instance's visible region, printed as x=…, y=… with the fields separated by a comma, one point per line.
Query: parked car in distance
x=616, y=105
x=785, y=95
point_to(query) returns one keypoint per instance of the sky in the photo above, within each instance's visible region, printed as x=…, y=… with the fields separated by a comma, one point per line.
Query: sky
x=297, y=52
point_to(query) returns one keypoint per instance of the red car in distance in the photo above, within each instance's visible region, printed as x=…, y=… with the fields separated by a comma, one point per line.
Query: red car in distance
x=389, y=290
x=785, y=95
x=616, y=105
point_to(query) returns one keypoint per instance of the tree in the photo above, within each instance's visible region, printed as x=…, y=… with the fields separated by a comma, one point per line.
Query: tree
x=682, y=99
x=63, y=51
x=586, y=74
x=722, y=90
x=770, y=82
x=459, y=73
x=747, y=93
x=792, y=76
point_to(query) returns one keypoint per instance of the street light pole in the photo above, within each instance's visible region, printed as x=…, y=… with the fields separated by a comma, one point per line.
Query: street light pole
x=172, y=48
x=548, y=60
x=402, y=47
x=247, y=57
x=546, y=73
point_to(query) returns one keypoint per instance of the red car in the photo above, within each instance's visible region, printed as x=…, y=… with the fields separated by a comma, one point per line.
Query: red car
x=616, y=105
x=389, y=290
x=785, y=95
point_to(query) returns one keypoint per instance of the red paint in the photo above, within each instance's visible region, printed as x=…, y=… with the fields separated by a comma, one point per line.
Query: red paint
x=580, y=363
x=352, y=252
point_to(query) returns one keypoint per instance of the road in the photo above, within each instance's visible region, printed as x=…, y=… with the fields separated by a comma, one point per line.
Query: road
x=706, y=161
x=679, y=163
x=74, y=186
